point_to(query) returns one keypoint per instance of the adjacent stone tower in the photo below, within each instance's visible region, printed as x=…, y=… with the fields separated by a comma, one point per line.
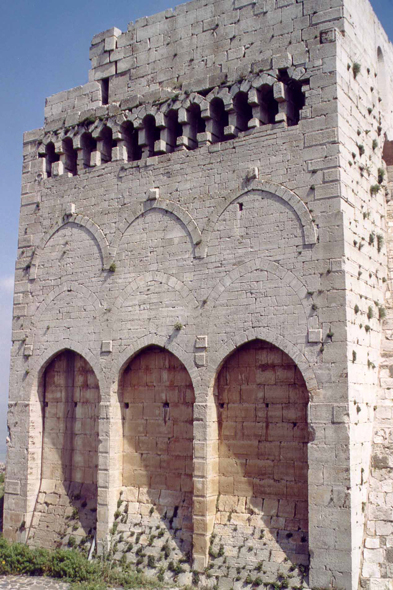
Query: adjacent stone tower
x=202, y=364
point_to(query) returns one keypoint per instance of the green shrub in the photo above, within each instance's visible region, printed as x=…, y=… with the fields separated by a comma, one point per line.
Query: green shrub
x=68, y=564
x=72, y=566
x=356, y=67
x=89, y=586
x=20, y=559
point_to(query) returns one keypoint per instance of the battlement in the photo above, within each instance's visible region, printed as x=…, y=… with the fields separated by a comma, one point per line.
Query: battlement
x=198, y=47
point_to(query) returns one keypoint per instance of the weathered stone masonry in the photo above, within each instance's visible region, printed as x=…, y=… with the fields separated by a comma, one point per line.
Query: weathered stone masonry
x=201, y=376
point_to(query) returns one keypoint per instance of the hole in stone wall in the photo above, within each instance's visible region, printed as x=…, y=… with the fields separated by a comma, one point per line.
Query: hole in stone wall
x=387, y=153
x=220, y=119
x=382, y=79
x=88, y=145
x=243, y=111
x=71, y=156
x=268, y=105
x=197, y=124
x=152, y=134
x=51, y=157
x=240, y=205
x=105, y=90
x=295, y=97
x=174, y=128
x=107, y=143
x=130, y=137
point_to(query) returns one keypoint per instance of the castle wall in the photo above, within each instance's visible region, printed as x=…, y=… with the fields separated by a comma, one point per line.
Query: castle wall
x=365, y=121
x=208, y=205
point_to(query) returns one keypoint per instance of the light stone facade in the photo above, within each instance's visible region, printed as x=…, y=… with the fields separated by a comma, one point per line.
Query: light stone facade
x=201, y=374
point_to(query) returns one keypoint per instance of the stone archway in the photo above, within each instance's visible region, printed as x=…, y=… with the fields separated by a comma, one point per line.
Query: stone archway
x=154, y=516
x=261, y=523
x=66, y=508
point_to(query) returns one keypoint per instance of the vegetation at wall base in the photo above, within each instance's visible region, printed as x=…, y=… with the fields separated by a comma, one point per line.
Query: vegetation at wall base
x=69, y=565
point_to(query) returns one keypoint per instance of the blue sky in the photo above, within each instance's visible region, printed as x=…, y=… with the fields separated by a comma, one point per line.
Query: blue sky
x=45, y=50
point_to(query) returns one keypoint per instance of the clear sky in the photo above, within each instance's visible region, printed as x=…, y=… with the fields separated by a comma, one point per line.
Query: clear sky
x=46, y=50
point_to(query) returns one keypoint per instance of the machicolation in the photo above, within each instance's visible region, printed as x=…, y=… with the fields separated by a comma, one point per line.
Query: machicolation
x=184, y=121
x=202, y=370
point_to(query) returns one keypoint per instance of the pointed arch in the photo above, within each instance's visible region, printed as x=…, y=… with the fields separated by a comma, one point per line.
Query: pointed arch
x=218, y=358
x=286, y=276
x=131, y=213
x=155, y=340
x=160, y=277
x=40, y=364
x=64, y=287
x=263, y=186
x=82, y=221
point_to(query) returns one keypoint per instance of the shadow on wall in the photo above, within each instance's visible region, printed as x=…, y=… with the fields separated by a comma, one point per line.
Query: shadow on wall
x=66, y=507
x=262, y=508
x=157, y=399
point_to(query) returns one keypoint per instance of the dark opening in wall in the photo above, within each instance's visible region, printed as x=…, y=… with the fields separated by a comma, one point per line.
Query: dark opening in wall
x=105, y=91
x=88, y=145
x=243, y=111
x=107, y=144
x=205, y=91
x=382, y=79
x=268, y=105
x=197, y=124
x=387, y=153
x=220, y=119
x=152, y=133
x=130, y=137
x=174, y=128
x=71, y=156
x=295, y=97
x=51, y=157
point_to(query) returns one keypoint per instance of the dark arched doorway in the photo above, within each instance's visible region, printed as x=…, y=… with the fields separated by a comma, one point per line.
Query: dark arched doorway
x=262, y=509
x=157, y=399
x=66, y=506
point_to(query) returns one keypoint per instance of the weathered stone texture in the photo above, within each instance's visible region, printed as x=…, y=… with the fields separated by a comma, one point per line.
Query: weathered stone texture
x=214, y=196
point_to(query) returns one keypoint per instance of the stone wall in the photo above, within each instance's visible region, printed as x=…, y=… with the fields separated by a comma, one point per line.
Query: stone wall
x=157, y=399
x=67, y=501
x=262, y=507
x=200, y=204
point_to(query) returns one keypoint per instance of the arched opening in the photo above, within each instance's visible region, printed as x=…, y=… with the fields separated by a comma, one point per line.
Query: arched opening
x=382, y=79
x=174, y=129
x=220, y=119
x=197, y=124
x=51, y=157
x=268, y=105
x=88, y=145
x=295, y=99
x=152, y=134
x=243, y=111
x=107, y=143
x=262, y=507
x=157, y=398
x=71, y=156
x=66, y=507
x=130, y=137
x=105, y=91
